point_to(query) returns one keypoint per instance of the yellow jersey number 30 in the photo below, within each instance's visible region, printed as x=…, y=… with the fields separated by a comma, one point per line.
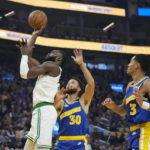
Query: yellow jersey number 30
x=75, y=119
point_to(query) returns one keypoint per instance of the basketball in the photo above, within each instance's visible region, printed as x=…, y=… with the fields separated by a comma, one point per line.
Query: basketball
x=37, y=19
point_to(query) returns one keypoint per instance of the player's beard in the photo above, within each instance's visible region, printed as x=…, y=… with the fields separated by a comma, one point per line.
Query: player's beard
x=52, y=58
x=71, y=91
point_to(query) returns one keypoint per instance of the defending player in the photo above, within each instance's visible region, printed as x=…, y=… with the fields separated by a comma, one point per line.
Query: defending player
x=73, y=110
x=44, y=114
x=136, y=104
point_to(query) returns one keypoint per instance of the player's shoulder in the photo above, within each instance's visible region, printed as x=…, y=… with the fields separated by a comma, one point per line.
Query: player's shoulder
x=129, y=84
x=147, y=83
x=50, y=63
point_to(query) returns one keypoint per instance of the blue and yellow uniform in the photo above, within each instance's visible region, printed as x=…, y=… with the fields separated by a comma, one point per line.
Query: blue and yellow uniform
x=139, y=120
x=72, y=127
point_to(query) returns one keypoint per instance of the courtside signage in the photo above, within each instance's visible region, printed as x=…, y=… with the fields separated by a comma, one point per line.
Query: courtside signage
x=71, y=44
x=112, y=47
x=74, y=7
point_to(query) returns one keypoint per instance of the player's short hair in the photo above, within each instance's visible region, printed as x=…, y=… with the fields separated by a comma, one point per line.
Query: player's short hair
x=81, y=84
x=144, y=61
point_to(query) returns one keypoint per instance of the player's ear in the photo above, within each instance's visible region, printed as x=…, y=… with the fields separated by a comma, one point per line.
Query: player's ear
x=58, y=58
x=79, y=89
x=138, y=66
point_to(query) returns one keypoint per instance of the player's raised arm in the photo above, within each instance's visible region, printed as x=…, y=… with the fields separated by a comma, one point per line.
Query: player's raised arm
x=23, y=46
x=58, y=103
x=32, y=40
x=32, y=72
x=32, y=61
x=89, y=90
x=119, y=109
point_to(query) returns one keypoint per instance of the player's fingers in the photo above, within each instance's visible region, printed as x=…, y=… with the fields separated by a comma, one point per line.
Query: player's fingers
x=78, y=51
x=62, y=90
x=81, y=52
x=73, y=58
x=75, y=52
x=65, y=95
x=103, y=103
x=25, y=41
x=17, y=46
x=107, y=100
x=110, y=100
x=22, y=42
x=19, y=41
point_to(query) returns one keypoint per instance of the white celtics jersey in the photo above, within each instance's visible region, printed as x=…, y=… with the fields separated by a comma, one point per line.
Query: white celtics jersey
x=45, y=89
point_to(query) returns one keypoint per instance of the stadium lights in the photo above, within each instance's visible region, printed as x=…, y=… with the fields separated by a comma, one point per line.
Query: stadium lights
x=9, y=14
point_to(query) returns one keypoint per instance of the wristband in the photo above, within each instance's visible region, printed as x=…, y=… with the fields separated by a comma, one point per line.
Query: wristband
x=80, y=63
x=145, y=105
x=24, y=67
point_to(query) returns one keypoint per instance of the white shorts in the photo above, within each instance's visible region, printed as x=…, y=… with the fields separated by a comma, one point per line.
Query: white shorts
x=42, y=124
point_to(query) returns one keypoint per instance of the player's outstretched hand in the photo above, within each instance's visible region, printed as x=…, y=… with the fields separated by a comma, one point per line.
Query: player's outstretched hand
x=108, y=102
x=138, y=96
x=22, y=45
x=78, y=56
x=37, y=32
x=60, y=94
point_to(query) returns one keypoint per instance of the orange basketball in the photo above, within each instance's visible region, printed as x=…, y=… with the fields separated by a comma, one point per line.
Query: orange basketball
x=37, y=19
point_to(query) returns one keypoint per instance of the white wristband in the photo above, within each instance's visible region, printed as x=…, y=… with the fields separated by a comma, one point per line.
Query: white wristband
x=145, y=105
x=24, y=68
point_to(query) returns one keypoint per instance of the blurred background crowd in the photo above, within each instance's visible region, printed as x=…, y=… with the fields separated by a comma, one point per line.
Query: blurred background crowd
x=105, y=127
x=106, y=130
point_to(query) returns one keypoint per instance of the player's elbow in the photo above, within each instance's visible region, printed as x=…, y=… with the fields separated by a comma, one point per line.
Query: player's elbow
x=23, y=74
x=24, y=67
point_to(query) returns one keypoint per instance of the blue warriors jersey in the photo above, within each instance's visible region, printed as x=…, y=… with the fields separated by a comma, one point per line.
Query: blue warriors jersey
x=139, y=120
x=72, y=120
x=136, y=114
x=72, y=127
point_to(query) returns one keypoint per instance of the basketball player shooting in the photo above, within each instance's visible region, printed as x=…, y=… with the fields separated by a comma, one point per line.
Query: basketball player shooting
x=73, y=110
x=44, y=114
x=136, y=104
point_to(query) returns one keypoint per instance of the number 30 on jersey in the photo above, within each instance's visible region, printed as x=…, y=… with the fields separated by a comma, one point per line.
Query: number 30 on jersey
x=75, y=119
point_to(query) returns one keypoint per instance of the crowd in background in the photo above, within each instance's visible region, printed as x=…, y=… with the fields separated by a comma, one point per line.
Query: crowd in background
x=109, y=131
x=106, y=130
